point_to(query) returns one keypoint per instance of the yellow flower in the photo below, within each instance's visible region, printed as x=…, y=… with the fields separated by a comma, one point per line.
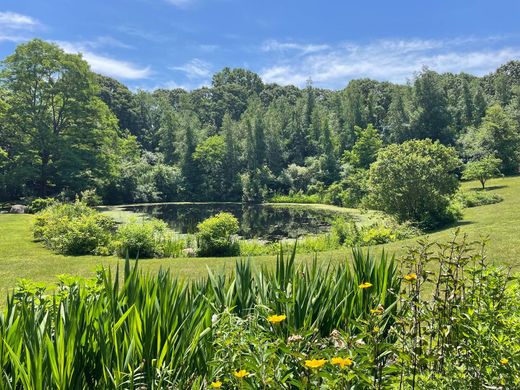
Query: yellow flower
x=277, y=318
x=376, y=329
x=378, y=310
x=216, y=385
x=342, y=362
x=504, y=361
x=315, y=363
x=410, y=277
x=365, y=285
x=240, y=374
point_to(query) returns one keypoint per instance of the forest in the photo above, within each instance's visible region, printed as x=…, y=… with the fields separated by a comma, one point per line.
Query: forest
x=65, y=130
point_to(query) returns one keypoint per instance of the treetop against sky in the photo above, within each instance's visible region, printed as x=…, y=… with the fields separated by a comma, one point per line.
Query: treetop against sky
x=181, y=43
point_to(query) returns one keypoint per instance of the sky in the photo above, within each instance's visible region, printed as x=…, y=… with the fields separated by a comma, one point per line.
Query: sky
x=149, y=44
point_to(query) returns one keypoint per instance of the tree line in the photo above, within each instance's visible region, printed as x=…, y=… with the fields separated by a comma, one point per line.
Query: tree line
x=65, y=129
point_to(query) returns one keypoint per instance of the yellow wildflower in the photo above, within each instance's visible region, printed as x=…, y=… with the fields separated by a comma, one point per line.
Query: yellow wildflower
x=504, y=361
x=315, y=363
x=240, y=374
x=410, y=277
x=376, y=329
x=277, y=318
x=216, y=385
x=377, y=311
x=365, y=285
x=342, y=362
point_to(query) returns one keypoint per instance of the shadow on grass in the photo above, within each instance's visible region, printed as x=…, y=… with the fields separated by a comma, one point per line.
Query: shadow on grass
x=450, y=226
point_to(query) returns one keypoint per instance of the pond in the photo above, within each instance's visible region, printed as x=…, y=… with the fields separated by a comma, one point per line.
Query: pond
x=265, y=222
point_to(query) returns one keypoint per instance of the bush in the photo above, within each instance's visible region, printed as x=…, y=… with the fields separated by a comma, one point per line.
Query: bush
x=143, y=239
x=416, y=181
x=346, y=231
x=215, y=236
x=74, y=229
x=90, y=197
x=479, y=198
x=39, y=204
x=298, y=197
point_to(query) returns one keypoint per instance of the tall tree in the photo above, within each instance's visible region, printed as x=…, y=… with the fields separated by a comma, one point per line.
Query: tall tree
x=58, y=123
x=430, y=117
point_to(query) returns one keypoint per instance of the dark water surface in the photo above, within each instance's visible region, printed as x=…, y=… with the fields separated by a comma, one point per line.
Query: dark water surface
x=256, y=221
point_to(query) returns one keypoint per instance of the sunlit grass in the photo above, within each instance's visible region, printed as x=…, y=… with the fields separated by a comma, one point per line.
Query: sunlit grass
x=20, y=257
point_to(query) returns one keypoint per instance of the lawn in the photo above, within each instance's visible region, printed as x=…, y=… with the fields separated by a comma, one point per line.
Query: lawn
x=20, y=257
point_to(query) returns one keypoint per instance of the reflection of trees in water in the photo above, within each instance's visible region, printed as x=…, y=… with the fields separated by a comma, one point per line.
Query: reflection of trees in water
x=263, y=222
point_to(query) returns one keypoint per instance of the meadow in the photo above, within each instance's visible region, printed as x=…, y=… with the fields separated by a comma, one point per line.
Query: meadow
x=22, y=258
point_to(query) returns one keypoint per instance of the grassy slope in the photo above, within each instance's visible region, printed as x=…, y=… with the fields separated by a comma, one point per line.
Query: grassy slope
x=20, y=257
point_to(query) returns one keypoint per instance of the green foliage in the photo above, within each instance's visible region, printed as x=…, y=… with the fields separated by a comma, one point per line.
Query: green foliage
x=415, y=181
x=364, y=151
x=497, y=135
x=143, y=239
x=455, y=328
x=236, y=139
x=90, y=197
x=215, y=235
x=210, y=155
x=482, y=169
x=479, y=198
x=297, y=197
x=67, y=137
x=74, y=229
x=39, y=204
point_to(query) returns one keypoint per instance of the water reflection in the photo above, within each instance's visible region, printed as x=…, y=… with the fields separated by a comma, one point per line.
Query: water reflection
x=256, y=221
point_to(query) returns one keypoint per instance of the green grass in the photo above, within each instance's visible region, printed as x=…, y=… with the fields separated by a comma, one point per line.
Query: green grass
x=20, y=257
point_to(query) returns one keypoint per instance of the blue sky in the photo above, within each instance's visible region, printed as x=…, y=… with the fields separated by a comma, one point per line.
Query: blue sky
x=180, y=43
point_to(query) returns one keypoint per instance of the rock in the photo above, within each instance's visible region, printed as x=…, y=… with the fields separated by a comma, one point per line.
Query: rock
x=17, y=209
x=189, y=252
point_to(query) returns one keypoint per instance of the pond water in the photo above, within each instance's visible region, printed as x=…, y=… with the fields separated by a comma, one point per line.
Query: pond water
x=265, y=222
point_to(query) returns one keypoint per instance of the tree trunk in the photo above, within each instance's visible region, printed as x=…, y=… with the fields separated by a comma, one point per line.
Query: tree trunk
x=43, y=173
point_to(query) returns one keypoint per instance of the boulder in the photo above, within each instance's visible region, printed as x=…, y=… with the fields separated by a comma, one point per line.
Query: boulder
x=189, y=252
x=17, y=209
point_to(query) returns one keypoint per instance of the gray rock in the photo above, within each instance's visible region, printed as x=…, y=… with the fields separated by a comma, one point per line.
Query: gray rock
x=189, y=252
x=17, y=209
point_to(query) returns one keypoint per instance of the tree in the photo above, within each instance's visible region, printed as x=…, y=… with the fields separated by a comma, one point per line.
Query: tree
x=430, y=117
x=497, y=135
x=364, y=151
x=482, y=170
x=210, y=155
x=189, y=166
x=120, y=100
x=397, y=120
x=415, y=181
x=231, y=167
x=62, y=134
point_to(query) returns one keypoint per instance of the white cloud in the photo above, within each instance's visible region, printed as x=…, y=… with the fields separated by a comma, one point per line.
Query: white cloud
x=13, y=26
x=274, y=45
x=393, y=60
x=14, y=21
x=107, y=65
x=195, y=69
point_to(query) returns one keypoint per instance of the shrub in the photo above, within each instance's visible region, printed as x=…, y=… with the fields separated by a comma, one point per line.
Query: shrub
x=39, y=204
x=346, y=231
x=298, y=197
x=74, y=229
x=90, y=197
x=143, y=239
x=479, y=198
x=215, y=236
x=416, y=181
